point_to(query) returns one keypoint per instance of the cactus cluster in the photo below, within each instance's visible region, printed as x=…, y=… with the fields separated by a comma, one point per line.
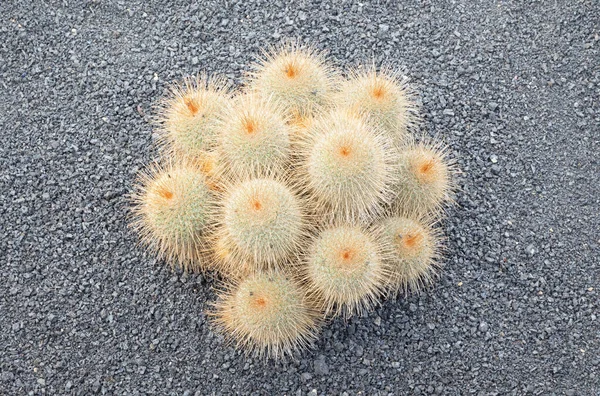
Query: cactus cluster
x=305, y=191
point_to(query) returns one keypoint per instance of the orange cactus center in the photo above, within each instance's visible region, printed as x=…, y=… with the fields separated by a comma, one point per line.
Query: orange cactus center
x=260, y=302
x=250, y=125
x=412, y=240
x=347, y=254
x=256, y=205
x=166, y=194
x=192, y=105
x=208, y=166
x=222, y=252
x=378, y=92
x=425, y=170
x=345, y=151
x=299, y=120
x=291, y=70
x=213, y=186
x=427, y=167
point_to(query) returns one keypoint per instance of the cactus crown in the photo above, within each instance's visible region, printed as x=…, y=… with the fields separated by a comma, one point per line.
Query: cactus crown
x=413, y=247
x=385, y=97
x=262, y=222
x=348, y=166
x=424, y=184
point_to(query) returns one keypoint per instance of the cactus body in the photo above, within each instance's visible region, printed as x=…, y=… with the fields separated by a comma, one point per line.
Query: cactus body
x=412, y=248
x=263, y=225
x=189, y=117
x=254, y=139
x=298, y=79
x=268, y=314
x=348, y=169
x=384, y=97
x=344, y=270
x=424, y=182
x=174, y=211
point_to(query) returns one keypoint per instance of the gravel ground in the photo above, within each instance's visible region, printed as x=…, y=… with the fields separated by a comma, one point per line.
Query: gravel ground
x=513, y=87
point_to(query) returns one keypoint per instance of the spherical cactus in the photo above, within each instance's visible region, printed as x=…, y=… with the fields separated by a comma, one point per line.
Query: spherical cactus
x=189, y=116
x=263, y=224
x=412, y=249
x=424, y=183
x=296, y=78
x=254, y=139
x=385, y=97
x=347, y=167
x=268, y=314
x=344, y=270
x=174, y=210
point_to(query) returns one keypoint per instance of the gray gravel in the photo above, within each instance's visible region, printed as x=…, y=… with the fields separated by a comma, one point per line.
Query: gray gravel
x=513, y=87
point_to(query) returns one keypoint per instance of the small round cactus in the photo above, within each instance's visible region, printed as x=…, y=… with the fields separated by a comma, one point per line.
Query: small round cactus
x=297, y=78
x=263, y=224
x=424, y=179
x=344, y=270
x=348, y=168
x=412, y=249
x=384, y=96
x=174, y=211
x=268, y=314
x=254, y=139
x=189, y=117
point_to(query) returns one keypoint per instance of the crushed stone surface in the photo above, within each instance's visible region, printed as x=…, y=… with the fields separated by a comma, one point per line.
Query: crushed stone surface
x=512, y=87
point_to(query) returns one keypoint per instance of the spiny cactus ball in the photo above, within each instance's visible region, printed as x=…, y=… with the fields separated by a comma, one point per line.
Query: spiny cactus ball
x=412, y=247
x=348, y=167
x=267, y=313
x=299, y=79
x=424, y=179
x=254, y=139
x=384, y=96
x=344, y=270
x=174, y=209
x=262, y=223
x=305, y=193
x=189, y=117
